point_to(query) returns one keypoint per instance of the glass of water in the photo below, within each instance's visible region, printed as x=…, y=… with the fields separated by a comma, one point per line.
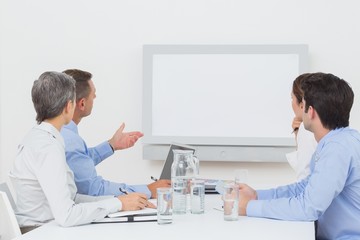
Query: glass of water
x=231, y=202
x=164, y=206
x=197, y=196
x=179, y=195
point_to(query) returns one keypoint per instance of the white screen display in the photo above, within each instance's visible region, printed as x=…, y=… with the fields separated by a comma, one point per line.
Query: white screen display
x=223, y=95
x=230, y=102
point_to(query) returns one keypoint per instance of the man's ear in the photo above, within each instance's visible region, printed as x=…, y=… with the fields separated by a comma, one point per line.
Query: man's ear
x=311, y=112
x=81, y=104
x=68, y=107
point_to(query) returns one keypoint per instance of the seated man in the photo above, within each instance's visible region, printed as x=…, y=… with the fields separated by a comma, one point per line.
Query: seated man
x=82, y=160
x=43, y=182
x=331, y=193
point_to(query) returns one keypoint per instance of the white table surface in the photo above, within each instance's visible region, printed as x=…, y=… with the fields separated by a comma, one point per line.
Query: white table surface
x=205, y=226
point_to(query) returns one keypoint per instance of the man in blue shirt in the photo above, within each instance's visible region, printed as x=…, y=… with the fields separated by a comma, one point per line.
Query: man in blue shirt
x=82, y=160
x=331, y=193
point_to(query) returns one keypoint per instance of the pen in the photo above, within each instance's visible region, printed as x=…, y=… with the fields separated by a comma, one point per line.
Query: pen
x=295, y=129
x=123, y=191
x=153, y=178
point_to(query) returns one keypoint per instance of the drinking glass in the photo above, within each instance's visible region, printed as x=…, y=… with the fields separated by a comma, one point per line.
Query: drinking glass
x=197, y=196
x=164, y=206
x=231, y=202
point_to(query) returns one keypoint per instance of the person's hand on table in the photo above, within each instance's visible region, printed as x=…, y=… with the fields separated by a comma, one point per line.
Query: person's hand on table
x=246, y=194
x=134, y=201
x=158, y=184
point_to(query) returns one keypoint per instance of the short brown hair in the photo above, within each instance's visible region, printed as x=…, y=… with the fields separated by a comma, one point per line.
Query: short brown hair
x=331, y=97
x=82, y=79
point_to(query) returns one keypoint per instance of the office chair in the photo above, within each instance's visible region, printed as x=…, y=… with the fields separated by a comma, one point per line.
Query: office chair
x=9, y=227
x=5, y=188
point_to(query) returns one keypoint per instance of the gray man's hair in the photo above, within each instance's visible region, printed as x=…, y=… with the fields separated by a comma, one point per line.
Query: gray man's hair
x=50, y=94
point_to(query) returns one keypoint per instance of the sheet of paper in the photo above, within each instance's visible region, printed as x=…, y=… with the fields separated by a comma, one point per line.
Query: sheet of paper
x=129, y=213
x=143, y=211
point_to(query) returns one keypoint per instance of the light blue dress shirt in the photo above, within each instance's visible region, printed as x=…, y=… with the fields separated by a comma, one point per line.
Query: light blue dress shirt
x=82, y=161
x=330, y=194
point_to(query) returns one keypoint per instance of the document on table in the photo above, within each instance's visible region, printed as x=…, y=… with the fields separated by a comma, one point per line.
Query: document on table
x=146, y=211
x=143, y=215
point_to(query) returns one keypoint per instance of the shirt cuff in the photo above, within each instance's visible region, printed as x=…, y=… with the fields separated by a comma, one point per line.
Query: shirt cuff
x=254, y=208
x=114, y=204
x=111, y=147
x=140, y=189
x=264, y=194
x=105, y=150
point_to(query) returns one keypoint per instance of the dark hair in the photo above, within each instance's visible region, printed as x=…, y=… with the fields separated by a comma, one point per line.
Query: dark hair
x=331, y=97
x=296, y=87
x=82, y=79
x=50, y=94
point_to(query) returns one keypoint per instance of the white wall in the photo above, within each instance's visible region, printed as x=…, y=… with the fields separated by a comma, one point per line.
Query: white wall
x=106, y=38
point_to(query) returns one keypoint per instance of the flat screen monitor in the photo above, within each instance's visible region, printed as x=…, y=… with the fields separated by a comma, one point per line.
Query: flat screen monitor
x=220, y=95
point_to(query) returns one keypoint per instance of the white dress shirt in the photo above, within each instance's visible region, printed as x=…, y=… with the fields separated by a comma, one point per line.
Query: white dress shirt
x=300, y=159
x=45, y=185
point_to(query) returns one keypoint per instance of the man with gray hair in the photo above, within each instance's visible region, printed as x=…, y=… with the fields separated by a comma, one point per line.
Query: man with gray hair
x=43, y=182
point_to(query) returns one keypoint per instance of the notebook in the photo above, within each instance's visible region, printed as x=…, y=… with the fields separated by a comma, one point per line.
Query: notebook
x=129, y=218
x=210, y=184
x=143, y=215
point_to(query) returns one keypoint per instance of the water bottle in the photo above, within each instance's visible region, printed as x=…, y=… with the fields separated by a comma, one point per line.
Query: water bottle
x=185, y=167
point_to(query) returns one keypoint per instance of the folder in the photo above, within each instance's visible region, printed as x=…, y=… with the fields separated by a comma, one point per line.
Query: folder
x=144, y=215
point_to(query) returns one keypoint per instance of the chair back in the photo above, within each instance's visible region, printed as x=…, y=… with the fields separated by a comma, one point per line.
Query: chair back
x=5, y=188
x=9, y=227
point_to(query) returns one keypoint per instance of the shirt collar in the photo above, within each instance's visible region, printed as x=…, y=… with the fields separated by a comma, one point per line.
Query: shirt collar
x=48, y=127
x=72, y=127
x=330, y=134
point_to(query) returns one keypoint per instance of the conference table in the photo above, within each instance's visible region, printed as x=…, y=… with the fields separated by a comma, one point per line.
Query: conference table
x=210, y=225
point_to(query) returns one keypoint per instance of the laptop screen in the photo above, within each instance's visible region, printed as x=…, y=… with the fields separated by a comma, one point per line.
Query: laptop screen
x=166, y=172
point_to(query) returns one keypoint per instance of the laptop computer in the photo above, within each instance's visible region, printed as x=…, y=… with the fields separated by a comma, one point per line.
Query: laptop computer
x=210, y=184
